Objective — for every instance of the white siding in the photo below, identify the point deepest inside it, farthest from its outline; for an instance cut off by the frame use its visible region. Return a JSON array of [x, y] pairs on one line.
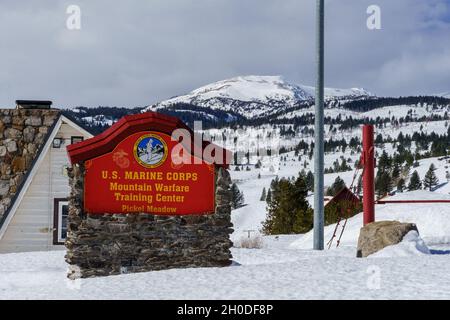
[[31, 228]]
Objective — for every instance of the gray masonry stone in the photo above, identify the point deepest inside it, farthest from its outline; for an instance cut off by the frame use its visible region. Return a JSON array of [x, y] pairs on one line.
[[4, 187], [12, 133], [11, 146], [7, 119], [28, 134], [48, 120], [2, 151], [34, 120]]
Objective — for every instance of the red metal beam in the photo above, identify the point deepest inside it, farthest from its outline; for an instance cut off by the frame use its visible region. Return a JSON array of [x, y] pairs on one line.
[[368, 161], [412, 201]]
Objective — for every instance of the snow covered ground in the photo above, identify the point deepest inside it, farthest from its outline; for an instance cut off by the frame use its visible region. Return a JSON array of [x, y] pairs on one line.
[[285, 268], [278, 271]]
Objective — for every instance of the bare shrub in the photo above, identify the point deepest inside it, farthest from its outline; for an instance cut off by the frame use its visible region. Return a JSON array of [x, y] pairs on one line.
[[254, 242]]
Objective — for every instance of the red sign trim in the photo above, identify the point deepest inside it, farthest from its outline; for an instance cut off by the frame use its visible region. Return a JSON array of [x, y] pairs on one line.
[[106, 141]]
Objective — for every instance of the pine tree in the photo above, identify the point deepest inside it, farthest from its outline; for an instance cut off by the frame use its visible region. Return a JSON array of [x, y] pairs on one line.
[[401, 185], [269, 196], [263, 195], [310, 181], [430, 181], [359, 185], [288, 210], [383, 183], [337, 186], [414, 182], [303, 214], [237, 197], [396, 171], [384, 162]]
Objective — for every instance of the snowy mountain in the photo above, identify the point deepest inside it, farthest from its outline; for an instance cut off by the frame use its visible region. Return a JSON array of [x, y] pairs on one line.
[[444, 94], [258, 100], [253, 96]]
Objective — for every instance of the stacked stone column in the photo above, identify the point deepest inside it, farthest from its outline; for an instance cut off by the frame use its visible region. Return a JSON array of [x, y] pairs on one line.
[[108, 244]]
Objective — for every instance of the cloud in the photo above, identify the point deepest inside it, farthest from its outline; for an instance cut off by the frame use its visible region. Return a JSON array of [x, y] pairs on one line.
[[135, 53]]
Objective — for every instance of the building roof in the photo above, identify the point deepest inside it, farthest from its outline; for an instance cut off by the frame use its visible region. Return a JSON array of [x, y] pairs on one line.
[[128, 125], [344, 195]]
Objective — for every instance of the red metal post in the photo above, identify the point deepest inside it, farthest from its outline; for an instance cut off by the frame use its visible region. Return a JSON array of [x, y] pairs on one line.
[[368, 159]]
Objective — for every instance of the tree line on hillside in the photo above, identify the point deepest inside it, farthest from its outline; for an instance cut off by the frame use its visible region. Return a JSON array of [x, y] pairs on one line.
[[372, 103], [216, 118]]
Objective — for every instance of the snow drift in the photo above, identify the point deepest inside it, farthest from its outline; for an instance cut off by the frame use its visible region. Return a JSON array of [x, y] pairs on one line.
[[412, 244]]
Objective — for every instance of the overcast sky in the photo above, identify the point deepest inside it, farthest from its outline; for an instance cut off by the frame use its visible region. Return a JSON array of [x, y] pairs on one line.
[[134, 53]]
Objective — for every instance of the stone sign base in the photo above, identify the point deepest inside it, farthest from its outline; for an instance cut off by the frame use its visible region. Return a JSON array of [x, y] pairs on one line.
[[110, 244]]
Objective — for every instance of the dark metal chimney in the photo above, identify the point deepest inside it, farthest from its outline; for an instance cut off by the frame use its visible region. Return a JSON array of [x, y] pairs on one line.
[[33, 104]]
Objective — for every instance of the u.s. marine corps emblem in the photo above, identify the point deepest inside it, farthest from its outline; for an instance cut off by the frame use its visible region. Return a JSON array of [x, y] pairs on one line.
[[150, 151]]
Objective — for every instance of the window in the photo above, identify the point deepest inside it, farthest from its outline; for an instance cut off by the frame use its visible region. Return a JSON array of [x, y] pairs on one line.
[[61, 211], [76, 139]]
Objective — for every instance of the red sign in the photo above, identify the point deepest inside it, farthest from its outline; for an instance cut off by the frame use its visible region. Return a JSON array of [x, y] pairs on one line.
[[140, 176]]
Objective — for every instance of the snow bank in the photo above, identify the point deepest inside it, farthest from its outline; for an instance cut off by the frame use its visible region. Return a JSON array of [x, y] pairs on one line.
[[412, 244], [432, 220], [273, 272]]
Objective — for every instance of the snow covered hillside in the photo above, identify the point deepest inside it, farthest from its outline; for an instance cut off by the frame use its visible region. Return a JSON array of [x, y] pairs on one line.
[[396, 111], [252, 96], [251, 216]]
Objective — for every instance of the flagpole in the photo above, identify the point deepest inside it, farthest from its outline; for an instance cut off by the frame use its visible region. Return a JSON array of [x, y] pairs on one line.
[[319, 132]]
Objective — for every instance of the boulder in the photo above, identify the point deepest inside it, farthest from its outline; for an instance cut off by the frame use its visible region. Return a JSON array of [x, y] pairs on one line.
[[378, 235]]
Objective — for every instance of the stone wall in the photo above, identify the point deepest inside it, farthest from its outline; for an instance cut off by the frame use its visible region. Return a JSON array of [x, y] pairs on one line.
[[22, 134], [108, 244]]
